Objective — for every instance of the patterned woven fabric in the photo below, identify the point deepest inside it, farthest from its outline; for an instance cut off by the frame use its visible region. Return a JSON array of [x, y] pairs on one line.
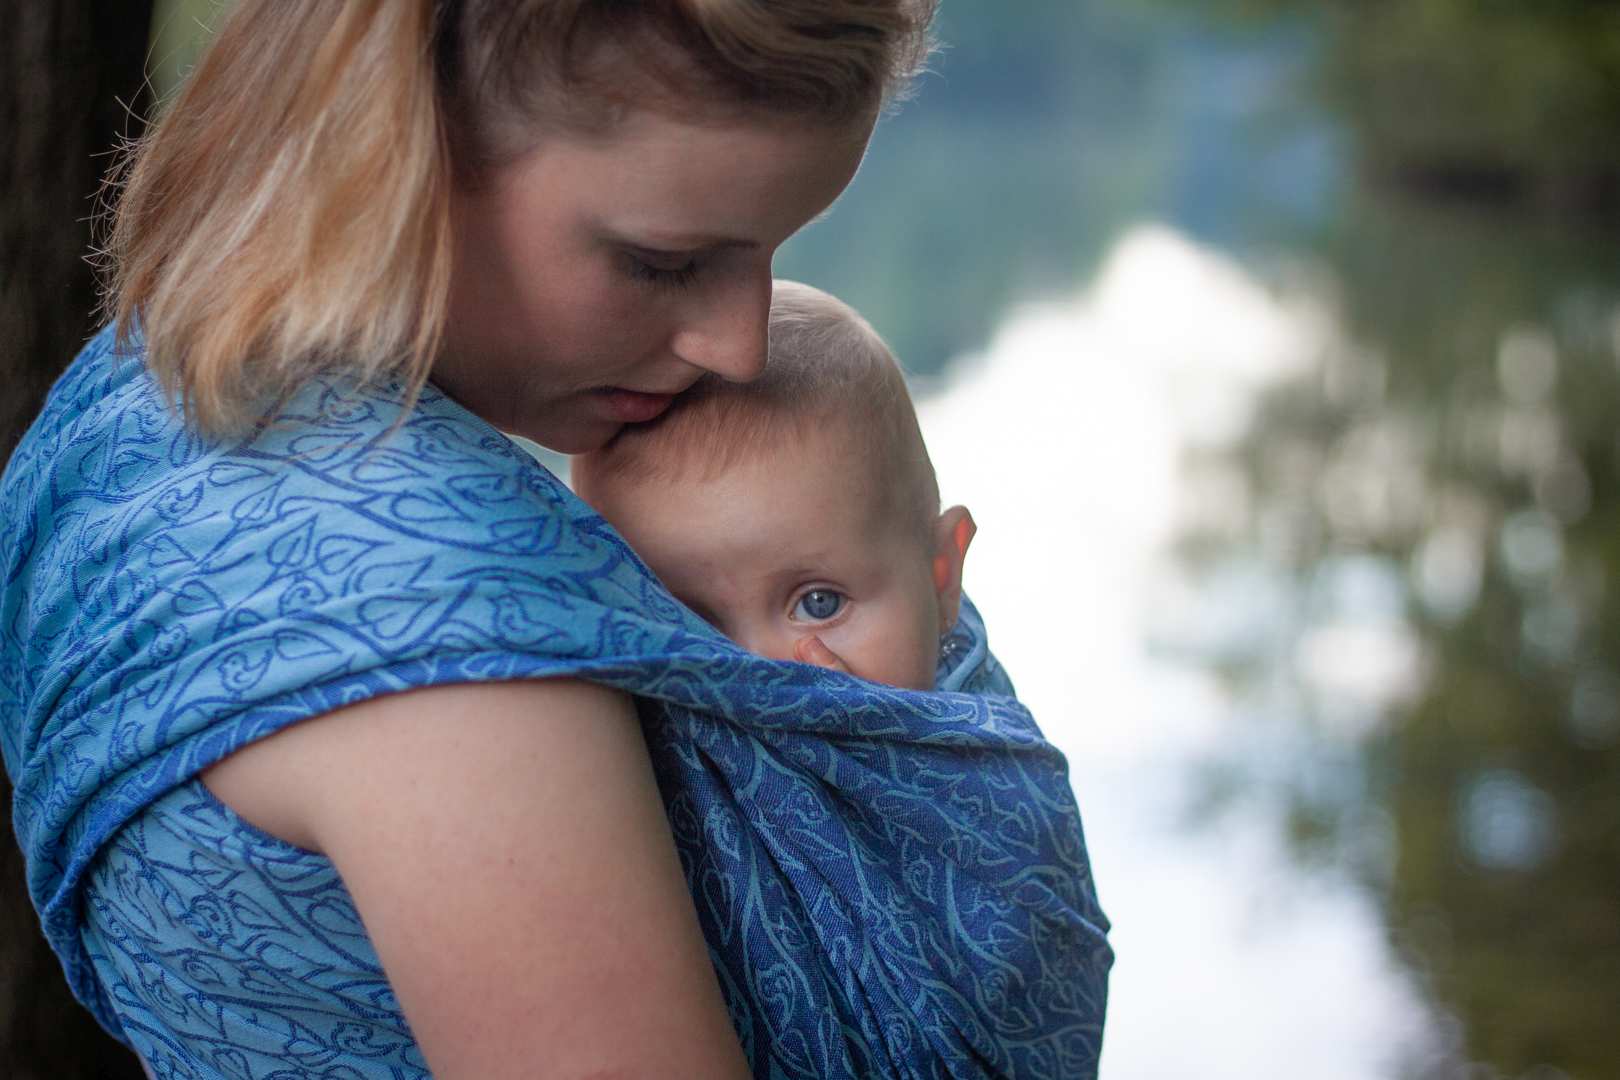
[[891, 883]]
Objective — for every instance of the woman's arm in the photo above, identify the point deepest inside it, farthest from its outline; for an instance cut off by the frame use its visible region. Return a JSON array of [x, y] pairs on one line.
[[507, 849]]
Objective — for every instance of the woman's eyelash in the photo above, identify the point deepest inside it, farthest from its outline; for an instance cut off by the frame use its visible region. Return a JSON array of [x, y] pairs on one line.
[[677, 277]]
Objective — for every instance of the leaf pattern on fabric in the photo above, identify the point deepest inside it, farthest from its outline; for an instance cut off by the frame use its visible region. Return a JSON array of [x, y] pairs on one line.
[[891, 883]]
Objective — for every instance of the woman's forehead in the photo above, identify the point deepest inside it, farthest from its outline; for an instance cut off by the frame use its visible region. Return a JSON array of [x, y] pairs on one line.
[[655, 178]]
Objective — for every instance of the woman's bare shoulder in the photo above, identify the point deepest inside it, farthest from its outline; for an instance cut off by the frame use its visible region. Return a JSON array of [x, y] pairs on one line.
[[508, 852], [282, 783]]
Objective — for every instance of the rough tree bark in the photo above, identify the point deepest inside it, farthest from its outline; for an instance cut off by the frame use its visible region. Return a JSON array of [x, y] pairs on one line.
[[71, 75]]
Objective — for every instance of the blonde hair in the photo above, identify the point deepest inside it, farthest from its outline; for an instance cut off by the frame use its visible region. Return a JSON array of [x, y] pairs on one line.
[[289, 213], [829, 371]]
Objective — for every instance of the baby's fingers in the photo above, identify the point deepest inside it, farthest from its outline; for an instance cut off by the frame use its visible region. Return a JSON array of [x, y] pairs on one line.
[[810, 649]]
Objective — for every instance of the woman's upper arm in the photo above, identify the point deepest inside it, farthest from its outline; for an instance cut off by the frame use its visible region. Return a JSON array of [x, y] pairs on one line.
[[507, 849]]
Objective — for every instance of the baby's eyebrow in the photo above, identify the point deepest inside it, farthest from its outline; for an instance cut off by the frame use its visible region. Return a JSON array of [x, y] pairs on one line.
[[797, 573]]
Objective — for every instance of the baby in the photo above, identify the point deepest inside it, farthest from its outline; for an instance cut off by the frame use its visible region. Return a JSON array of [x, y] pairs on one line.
[[798, 513]]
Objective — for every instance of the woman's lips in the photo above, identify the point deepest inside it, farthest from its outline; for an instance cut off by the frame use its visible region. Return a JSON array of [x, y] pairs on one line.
[[634, 406]]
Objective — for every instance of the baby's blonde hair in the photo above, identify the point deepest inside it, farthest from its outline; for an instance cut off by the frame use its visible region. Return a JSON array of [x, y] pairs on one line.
[[828, 371], [289, 213]]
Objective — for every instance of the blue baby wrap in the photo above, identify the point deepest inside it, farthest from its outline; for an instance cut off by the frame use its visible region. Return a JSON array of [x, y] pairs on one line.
[[891, 883]]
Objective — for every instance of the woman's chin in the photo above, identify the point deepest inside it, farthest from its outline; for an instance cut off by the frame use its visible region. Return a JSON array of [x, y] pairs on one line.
[[576, 436], [571, 443]]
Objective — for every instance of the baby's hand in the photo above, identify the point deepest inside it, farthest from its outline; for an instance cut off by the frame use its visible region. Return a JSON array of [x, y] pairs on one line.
[[810, 649]]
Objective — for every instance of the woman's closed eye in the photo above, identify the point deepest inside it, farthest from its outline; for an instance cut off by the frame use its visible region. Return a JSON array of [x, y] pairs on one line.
[[674, 270], [818, 605]]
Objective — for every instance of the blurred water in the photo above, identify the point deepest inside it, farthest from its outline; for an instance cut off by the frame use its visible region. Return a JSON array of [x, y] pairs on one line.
[[1066, 437]]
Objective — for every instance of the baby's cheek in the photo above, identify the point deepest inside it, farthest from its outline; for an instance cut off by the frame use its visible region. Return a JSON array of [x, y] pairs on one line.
[[897, 659]]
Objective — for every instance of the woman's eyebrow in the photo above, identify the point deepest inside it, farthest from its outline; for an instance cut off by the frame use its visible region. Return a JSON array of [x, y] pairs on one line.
[[683, 242]]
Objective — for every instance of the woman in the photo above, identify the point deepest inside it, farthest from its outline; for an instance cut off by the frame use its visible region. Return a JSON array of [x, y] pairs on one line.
[[321, 679]]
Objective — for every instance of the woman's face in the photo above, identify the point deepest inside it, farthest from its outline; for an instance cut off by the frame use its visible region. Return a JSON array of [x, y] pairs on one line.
[[602, 274]]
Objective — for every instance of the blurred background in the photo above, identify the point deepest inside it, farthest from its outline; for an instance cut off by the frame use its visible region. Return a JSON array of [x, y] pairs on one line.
[[1276, 348]]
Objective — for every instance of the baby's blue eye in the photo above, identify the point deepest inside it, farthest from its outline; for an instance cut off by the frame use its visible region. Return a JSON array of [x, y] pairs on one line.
[[818, 604]]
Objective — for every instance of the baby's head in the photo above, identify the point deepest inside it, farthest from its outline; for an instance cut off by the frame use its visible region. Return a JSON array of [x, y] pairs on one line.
[[799, 507]]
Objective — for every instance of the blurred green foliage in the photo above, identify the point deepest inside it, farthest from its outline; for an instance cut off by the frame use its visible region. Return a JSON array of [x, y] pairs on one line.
[[1499, 780], [1495, 99]]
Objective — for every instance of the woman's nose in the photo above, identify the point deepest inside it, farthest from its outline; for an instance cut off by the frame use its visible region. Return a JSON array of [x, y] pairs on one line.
[[728, 334]]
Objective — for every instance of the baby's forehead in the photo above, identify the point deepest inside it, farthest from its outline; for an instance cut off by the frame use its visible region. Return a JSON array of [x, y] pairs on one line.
[[812, 455], [827, 452]]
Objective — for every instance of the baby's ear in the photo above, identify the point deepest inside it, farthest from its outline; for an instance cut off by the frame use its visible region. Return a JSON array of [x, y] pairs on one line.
[[953, 532]]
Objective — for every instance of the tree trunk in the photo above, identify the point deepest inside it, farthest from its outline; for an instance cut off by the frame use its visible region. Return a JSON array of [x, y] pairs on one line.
[[72, 84]]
